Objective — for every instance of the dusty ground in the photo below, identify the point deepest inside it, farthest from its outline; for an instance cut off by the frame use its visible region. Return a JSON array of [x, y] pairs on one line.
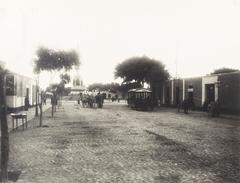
[[116, 144]]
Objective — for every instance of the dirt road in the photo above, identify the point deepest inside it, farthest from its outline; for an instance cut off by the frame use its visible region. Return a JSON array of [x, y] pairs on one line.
[[117, 144]]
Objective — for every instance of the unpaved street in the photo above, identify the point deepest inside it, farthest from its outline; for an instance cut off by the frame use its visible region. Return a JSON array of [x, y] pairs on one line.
[[117, 144]]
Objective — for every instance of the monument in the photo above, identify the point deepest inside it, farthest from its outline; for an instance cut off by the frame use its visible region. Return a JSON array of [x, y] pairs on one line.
[[77, 83]]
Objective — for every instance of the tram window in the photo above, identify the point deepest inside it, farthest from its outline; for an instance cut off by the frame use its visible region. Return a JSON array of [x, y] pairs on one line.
[[10, 86]]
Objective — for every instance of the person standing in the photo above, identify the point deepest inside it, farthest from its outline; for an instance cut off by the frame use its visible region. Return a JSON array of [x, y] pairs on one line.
[[186, 106], [99, 100], [26, 103]]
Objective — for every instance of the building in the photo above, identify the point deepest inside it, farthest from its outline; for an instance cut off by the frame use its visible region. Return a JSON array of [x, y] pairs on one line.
[[224, 88]]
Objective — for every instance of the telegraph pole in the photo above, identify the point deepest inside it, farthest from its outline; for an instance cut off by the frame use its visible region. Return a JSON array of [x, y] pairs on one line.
[[176, 60]]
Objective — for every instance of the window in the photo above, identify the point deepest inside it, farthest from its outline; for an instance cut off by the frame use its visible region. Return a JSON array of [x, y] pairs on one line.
[[10, 87]]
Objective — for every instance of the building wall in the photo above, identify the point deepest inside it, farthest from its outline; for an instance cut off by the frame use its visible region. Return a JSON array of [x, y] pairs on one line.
[[226, 91], [177, 83], [196, 83], [167, 93], [229, 92], [169, 96]]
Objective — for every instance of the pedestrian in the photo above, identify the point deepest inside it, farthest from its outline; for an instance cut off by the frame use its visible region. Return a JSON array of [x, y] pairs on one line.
[[99, 100], [179, 105], [45, 100], [186, 106], [26, 101]]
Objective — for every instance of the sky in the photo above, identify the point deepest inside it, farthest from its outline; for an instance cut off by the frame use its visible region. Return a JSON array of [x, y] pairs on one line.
[[191, 37]]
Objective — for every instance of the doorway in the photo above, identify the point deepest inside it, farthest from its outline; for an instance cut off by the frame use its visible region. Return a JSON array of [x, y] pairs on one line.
[[168, 95], [177, 95], [27, 92], [210, 92]]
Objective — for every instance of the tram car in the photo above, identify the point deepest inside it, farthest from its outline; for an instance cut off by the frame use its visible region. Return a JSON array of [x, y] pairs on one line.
[[141, 99], [20, 91]]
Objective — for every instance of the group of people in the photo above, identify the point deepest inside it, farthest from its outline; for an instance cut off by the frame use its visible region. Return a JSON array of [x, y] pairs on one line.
[[87, 100], [185, 105], [212, 107]]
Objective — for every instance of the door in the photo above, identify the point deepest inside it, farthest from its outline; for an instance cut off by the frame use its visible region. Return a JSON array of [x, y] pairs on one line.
[[210, 92], [27, 92], [168, 95], [177, 95]]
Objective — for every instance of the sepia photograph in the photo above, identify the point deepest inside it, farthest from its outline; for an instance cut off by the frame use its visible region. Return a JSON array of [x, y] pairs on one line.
[[120, 91]]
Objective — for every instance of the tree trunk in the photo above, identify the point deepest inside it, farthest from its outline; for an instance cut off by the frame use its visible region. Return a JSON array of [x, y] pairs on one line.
[[52, 109], [41, 112], [4, 131], [36, 108]]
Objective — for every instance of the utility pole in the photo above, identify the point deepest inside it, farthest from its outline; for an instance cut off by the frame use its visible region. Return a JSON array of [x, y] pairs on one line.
[[176, 60]]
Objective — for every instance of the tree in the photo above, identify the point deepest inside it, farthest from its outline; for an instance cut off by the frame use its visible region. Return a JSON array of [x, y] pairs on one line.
[[55, 60], [224, 70], [51, 60], [65, 78], [4, 127], [141, 70], [96, 86], [112, 87], [125, 87]]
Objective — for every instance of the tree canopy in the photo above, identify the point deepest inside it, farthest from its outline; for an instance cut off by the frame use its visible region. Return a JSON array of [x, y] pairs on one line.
[[49, 60], [127, 86], [113, 87], [3, 71], [224, 70], [65, 78], [95, 86], [59, 88], [141, 69]]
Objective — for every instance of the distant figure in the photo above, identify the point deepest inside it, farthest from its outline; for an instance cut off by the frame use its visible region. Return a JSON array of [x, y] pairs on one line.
[[26, 101], [84, 101], [113, 99], [214, 109], [90, 101], [99, 100], [44, 100], [186, 106], [217, 108], [179, 105]]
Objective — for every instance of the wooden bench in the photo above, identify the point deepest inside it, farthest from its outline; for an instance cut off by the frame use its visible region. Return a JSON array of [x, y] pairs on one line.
[[16, 116]]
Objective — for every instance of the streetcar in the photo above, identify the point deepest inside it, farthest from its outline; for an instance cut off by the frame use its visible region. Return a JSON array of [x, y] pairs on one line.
[[141, 99], [18, 89]]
